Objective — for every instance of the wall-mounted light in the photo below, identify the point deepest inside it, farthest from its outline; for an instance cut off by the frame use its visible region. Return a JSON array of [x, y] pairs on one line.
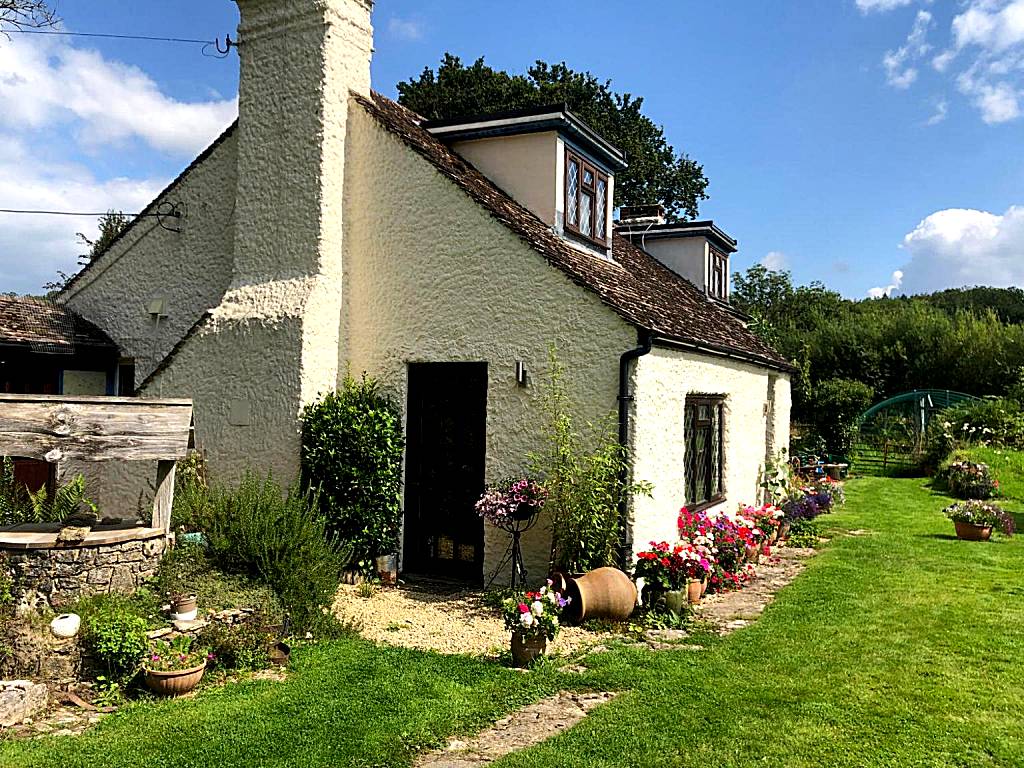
[[522, 379]]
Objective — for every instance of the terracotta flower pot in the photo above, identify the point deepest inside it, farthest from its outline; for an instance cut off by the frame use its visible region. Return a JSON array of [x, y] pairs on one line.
[[174, 682], [604, 593], [527, 648], [675, 601], [972, 532], [783, 530], [694, 590], [184, 608]]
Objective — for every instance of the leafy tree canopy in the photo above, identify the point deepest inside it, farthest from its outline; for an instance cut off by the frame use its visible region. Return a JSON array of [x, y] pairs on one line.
[[656, 173]]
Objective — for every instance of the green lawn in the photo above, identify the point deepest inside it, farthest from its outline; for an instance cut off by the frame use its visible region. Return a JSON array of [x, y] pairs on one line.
[[901, 647]]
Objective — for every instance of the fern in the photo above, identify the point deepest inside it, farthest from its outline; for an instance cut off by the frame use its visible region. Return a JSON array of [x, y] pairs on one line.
[[20, 505]]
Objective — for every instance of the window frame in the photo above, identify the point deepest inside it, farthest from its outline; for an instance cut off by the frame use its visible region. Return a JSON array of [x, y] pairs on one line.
[[720, 272], [584, 190], [716, 402]]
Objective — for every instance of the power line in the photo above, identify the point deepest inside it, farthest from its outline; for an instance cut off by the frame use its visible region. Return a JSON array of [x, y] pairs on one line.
[[165, 212], [74, 213], [215, 43]]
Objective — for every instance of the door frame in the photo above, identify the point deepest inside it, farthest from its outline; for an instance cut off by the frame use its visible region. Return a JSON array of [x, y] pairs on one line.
[[416, 559]]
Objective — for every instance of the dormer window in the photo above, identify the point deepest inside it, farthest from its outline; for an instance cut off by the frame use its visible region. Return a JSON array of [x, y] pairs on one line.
[[586, 200], [718, 286]]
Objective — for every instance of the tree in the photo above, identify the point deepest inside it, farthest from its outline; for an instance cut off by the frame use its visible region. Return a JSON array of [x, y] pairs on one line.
[[656, 172], [111, 225], [26, 14]]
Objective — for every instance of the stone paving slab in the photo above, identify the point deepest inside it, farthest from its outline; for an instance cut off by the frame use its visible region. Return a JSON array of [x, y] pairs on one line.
[[523, 728]]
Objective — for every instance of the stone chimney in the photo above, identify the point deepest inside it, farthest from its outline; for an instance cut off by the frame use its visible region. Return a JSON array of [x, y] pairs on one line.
[[272, 345]]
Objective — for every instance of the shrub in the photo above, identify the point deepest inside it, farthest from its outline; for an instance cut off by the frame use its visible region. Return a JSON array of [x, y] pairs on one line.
[[191, 493], [281, 539], [835, 405], [114, 634], [804, 532], [241, 647], [994, 421], [584, 474], [970, 480], [352, 447]]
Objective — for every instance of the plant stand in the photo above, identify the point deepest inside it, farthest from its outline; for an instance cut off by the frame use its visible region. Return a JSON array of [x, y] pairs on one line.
[[516, 527]]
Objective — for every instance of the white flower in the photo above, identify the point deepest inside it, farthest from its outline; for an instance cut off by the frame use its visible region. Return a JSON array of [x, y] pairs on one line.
[[526, 619], [537, 608]]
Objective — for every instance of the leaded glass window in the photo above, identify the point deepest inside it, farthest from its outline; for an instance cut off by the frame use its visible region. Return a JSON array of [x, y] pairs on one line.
[[586, 199], [572, 191], [704, 428]]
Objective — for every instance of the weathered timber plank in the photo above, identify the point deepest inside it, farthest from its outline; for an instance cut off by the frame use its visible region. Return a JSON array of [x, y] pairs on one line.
[[55, 449], [128, 430], [65, 419], [105, 399], [163, 500]]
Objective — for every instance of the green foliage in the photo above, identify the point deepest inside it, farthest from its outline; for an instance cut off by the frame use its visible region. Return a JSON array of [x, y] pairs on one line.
[[992, 421], [110, 224], [891, 345], [191, 493], [281, 539], [114, 634], [20, 505], [242, 647], [656, 172], [352, 447], [583, 473], [188, 569], [804, 533], [835, 406]]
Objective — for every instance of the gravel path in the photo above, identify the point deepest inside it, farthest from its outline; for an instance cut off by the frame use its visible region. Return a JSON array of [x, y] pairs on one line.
[[447, 621]]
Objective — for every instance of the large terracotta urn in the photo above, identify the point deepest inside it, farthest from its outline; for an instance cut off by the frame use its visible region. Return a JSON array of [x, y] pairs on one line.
[[604, 593]]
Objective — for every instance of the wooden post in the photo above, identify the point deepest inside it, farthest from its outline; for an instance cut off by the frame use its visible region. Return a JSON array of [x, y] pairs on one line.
[[163, 501]]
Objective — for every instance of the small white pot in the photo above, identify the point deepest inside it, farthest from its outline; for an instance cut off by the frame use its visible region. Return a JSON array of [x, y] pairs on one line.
[[66, 625], [186, 616]]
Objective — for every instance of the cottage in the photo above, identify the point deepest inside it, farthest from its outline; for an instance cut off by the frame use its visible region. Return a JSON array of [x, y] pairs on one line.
[[330, 229]]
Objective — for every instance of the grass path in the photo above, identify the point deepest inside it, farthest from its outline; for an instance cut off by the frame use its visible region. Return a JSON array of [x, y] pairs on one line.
[[902, 647]]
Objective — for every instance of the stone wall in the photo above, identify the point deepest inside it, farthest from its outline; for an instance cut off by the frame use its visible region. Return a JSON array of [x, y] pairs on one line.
[[58, 577]]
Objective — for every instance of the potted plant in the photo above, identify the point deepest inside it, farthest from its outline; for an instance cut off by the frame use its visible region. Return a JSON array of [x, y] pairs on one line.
[[175, 667], [663, 569], [184, 607], [971, 480], [974, 519], [532, 618]]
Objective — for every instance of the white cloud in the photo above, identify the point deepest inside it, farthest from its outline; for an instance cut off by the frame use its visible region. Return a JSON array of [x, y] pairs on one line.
[[44, 82], [34, 248], [898, 64], [60, 106], [987, 38], [881, 6], [940, 113], [897, 281], [405, 29], [963, 247], [775, 260]]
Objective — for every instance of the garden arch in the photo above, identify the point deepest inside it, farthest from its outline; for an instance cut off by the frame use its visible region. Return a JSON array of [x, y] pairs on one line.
[[890, 434]]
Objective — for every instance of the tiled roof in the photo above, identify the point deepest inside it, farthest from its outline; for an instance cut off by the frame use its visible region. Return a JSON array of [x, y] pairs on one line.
[[635, 285], [47, 326]]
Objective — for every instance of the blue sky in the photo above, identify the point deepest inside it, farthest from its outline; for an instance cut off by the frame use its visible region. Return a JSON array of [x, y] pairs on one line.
[[845, 140]]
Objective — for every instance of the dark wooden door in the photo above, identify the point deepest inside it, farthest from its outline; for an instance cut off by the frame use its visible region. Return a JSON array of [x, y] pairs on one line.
[[444, 469]]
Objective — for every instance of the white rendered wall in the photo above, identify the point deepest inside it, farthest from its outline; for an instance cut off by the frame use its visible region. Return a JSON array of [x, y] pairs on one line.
[[662, 381], [190, 269], [523, 166], [432, 277]]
